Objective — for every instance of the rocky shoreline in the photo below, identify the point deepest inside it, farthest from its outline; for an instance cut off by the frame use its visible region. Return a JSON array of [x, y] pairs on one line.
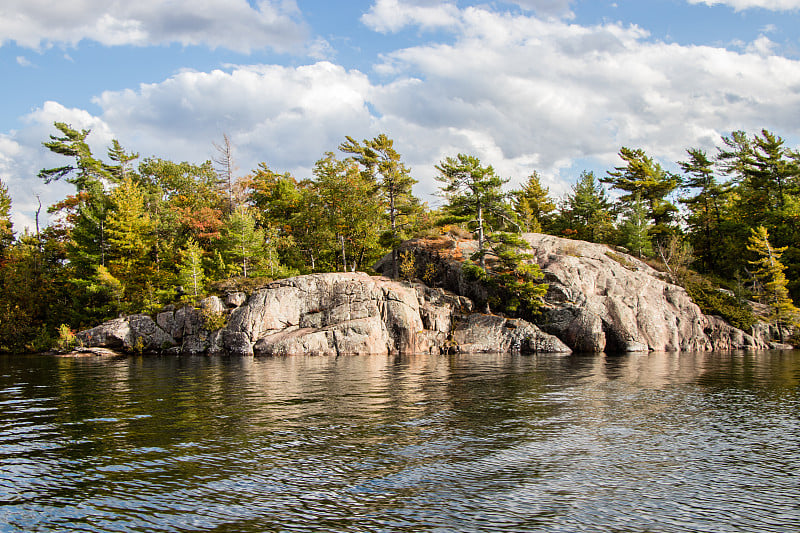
[[598, 300]]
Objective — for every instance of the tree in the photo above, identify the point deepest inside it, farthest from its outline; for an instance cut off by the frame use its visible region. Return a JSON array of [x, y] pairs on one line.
[[84, 213], [644, 178], [475, 197], [350, 210], [225, 167], [635, 229], [130, 238], [122, 169], [191, 275], [704, 217], [6, 226], [769, 271], [86, 171], [533, 205], [381, 162], [242, 241], [587, 211]]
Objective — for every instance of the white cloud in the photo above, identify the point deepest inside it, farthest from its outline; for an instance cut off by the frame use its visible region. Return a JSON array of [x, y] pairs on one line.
[[547, 93], [387, 16], [24, 61], [762, 46], [22, 156], [232, 24], [281, 115], [520, 92], [547, 7], [741, 5]]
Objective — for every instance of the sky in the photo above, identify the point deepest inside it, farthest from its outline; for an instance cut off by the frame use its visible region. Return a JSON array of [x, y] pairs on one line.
[[553, 86]]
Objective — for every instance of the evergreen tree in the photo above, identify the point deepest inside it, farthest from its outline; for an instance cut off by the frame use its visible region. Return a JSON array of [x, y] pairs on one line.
[[635, 231], [242, 242], [475, 197], [769, 271], [587, 211], [6, 226], [704, 217], [381, 162], [533, 205], [130, 234], [644, 178]]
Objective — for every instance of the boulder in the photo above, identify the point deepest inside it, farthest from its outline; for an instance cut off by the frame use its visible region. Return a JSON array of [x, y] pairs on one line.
[[480, 333], [131, 333], [332, 314], [599, 299]]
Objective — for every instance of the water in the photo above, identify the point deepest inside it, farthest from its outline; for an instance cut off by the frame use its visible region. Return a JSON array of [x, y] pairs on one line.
[[635, 443]]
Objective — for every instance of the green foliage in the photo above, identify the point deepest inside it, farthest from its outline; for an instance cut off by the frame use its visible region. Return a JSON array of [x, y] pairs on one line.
[[191, 275], [134, 230], [475, 197], [769, 271], [586, 212], [533, 205], [408, 267], [213, 320], [644, 180], [66, 339], [514, 285], [635, 230], [713, 301], [381, 163], [242, 242]]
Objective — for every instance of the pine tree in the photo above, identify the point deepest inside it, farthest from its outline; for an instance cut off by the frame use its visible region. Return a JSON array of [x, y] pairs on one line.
[[587, 210], [242, 242], [635, 231], [130, 233], [644, 178], [6, 226], [475, 197], [769, 271], [705, 207], [533, 205], [381, 162]]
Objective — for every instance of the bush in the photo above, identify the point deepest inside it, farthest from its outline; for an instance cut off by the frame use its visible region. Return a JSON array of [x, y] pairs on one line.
[[212, 321], [66, 339], [712, 301]]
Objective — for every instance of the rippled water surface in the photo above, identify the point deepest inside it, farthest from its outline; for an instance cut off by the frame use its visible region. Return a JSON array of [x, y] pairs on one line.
[[659, 442]]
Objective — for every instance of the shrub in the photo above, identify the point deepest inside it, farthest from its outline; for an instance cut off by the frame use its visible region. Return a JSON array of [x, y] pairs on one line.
[[213, 320], [712, 301], [408, 268], [66, 339]]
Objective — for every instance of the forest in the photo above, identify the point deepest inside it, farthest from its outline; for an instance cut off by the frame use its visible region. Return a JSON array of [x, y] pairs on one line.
[[141, 233]]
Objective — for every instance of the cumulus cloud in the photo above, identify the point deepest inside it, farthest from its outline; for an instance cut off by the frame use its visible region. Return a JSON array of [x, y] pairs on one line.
[[232, 24], [22, 156], [520, 92], [387, 16], [741, 5], [547, 7], [281, 115], [545, 93]]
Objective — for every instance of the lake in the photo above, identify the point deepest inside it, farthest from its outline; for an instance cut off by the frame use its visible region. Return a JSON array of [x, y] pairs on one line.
[[627, 443]]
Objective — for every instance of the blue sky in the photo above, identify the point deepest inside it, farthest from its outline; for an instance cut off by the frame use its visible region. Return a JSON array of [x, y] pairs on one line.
[[556, 86]]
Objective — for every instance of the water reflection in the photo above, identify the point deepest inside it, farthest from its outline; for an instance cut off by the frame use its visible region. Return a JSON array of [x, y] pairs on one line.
[[663, 441]]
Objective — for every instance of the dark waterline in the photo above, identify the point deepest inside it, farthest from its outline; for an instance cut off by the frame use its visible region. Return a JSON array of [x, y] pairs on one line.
[[634, 443]]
